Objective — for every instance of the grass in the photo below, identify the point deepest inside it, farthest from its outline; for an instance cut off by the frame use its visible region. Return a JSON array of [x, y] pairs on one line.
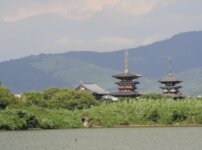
[[33, 117], [141, 112], [146, 112]]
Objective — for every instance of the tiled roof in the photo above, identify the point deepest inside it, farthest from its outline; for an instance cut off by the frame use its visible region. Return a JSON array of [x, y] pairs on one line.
[[170, 78], [131, 75], [94, 88]]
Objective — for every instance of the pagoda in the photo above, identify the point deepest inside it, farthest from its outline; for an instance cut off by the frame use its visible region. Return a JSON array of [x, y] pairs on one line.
[[127, 85], [170, 87]]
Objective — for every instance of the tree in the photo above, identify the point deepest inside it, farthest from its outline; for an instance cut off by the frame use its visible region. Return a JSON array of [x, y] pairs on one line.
[[6, 97], [33, 98], [71, 99], [50, 92]]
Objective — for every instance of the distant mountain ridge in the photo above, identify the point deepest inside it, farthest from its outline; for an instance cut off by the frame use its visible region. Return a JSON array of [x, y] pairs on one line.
[[68, 69], [184, 49]]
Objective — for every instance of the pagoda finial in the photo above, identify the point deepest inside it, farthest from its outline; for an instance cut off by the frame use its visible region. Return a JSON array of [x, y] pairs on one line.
[[170, 66], [126, 61]]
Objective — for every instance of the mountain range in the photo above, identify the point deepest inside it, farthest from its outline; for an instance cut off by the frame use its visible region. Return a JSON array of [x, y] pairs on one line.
[[69, 69]]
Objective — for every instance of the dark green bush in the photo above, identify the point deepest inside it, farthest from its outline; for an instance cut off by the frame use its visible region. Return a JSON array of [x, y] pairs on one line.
[[30, 119], [178, 116], [153, 116]]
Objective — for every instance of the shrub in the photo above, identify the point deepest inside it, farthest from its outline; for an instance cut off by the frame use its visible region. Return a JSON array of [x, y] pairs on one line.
[[9, 120], [154, 96], [154, 116], [50, 92], [33, 99], [30, 119], [33, 117], [178, 116], [6, 98], [70, 99]]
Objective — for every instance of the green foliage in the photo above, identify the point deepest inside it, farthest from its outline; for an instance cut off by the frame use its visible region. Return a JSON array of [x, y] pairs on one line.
[[29, 118], [33, 99], [56, 108], [6, 98], [33, 117], [154, 96], [50, 92], [153, 116], [178, 116], [59, 98], [9, 120], [146, 112], [71, 99]]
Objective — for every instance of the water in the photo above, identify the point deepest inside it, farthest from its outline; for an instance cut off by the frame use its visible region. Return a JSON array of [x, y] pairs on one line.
[[104, 139]]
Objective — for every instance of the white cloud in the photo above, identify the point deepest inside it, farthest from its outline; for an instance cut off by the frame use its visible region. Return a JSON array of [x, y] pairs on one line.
[[103, 25], [82, 9], [135, 7], [77, 10]]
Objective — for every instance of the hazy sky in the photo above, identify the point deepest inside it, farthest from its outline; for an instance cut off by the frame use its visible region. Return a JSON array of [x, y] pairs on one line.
[[53, 26]]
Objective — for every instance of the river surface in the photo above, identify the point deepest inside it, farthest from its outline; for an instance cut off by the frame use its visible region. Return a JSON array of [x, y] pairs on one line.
[[104, 139]]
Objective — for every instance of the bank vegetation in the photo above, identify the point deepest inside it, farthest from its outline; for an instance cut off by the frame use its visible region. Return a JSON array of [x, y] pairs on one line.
[[56, 108]]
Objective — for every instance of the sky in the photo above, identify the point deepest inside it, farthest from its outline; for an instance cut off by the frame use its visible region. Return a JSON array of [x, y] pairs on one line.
[[54, 26]]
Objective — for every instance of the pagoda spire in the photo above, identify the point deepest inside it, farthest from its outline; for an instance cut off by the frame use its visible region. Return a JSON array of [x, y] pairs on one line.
[[126, 61], [170, 66]]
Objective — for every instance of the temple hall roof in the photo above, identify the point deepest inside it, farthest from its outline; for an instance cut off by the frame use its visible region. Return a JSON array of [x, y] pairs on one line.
[[92, 87]]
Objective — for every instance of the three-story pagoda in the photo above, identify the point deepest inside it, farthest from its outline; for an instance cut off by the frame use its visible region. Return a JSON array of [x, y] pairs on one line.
[[127, 85], [170, 87]]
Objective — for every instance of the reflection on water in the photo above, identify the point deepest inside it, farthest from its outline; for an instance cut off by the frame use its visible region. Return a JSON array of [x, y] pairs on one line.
[[104, 139]]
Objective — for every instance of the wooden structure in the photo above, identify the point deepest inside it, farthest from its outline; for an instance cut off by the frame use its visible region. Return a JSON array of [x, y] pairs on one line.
[[171, 88], [93, 88], [126, 86]]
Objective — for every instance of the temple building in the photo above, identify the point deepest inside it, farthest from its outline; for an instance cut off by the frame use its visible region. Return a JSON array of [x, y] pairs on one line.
[[92, 88], [126, 85], [170, 87]]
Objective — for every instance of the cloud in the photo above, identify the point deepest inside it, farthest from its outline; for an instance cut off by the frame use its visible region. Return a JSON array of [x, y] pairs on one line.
[[102, 25], [98, 44], [136, 8], [106, 43], [81, 9]]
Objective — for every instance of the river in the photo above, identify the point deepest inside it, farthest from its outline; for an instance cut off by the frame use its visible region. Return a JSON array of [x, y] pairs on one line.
[[104, 139]]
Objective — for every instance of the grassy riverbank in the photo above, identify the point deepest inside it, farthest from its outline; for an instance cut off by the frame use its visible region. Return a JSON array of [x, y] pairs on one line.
[[141, 112], [32, 117], [56, 108], [164, 112]]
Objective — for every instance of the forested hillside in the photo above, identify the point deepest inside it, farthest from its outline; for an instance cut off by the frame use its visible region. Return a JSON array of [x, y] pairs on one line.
[[68, 69]]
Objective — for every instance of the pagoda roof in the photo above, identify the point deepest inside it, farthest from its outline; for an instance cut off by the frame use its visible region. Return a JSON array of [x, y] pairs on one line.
[[169, 78], [171, 87], [127, 75], [126, 82]]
